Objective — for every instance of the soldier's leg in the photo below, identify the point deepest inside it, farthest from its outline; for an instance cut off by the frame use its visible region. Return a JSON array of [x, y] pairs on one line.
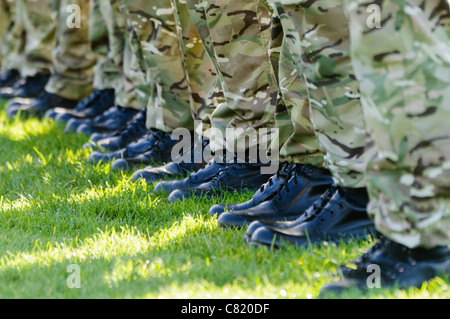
[[205, 93], [119, 71], [72, 58], [301, 180], [156, 52], [250, 95], [40, 27], [106, 72], [13, 45], [403, 65], [317, 36], [236, 35]]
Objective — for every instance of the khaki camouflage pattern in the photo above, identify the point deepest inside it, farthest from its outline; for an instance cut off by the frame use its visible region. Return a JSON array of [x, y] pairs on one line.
[[299, 143], [204, 86], [14, 49], [132, 90], [116, 66], [404, 70], [73, 59], [317, 34], [154, 27], [5, 25], [105, 72], [236, 35], [39, 26]]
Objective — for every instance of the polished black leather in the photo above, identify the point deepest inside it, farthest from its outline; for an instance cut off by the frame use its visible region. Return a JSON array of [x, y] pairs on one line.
[[173, 170], [111, 122], [302, 189], [170, 171], [337, 220], [133, 131], [73, 123], [159, 153], [196, 178], [29, 87], [398, 266], [45, 102], [14, 105], [265, 192], [96, 103], [139, 147], [234, 176], [8, 78]]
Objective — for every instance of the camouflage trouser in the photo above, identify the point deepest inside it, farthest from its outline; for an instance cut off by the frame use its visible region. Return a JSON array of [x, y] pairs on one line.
[[116, 64], [132, 90], [236, 35], [404, 69], [5, 25], [244, 45], [73, 59], [39, 26], [204, 86], [106, 73], [299, 143], [316, 35], [13, 45], [159, 54]]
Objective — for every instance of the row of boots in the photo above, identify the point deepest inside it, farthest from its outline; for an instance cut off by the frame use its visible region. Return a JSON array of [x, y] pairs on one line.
[[298, 205]]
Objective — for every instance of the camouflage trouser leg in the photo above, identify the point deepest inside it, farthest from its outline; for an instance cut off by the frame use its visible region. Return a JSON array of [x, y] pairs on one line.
[[104, 70], [40, 26], [14, 49], [73, 59], [153, 22], [5, 24], [236, 35], [298, 141], [112, 23], [404, 70], [317, 34], [132, 90], [204, 85]]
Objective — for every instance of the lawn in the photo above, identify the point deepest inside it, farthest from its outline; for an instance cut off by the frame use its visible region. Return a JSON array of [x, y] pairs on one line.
[[59, 213]]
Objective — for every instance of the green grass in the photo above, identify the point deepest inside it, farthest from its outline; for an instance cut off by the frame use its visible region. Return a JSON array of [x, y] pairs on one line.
[[57, 210]]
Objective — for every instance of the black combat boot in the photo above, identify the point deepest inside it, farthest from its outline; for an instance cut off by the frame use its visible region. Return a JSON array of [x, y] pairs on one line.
[[91, 106], [301, 189], [113, 120], [134, 149], [45, 102], [265, 192], [390, 264], [160, 152], [173, 170], [8, 78], [133, 131], [196, 178], [29, 87], [234, 176], [342, 217]]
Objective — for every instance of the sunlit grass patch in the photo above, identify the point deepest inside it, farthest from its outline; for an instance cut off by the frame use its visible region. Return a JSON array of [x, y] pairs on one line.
[[57, 210]]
